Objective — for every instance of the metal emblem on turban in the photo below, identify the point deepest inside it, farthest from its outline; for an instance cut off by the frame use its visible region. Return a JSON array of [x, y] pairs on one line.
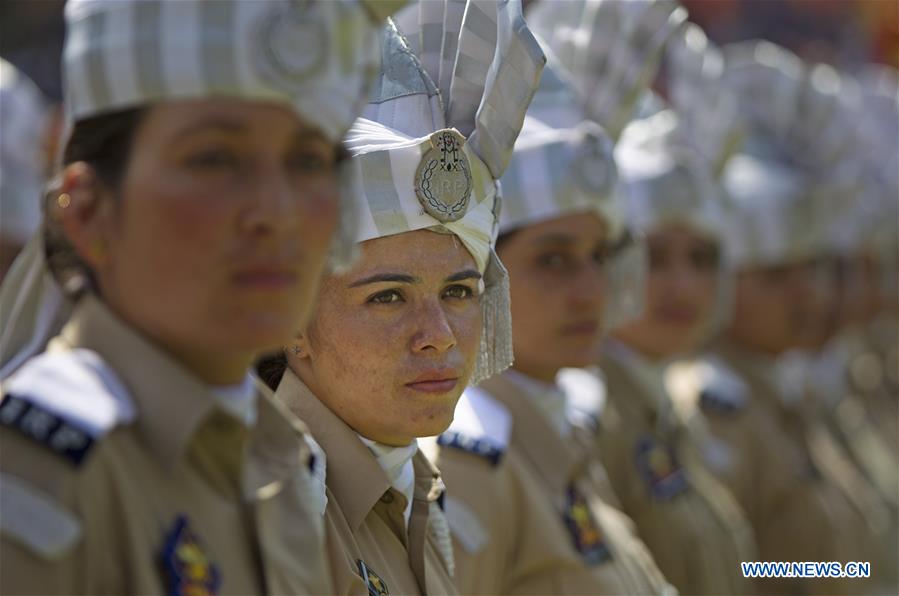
[[443, 178], [291, 45]]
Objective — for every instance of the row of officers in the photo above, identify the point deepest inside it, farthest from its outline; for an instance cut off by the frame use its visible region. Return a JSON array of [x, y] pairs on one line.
[[379, 297]]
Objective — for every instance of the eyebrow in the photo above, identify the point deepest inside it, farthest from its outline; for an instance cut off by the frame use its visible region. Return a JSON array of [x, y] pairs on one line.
[[385, 277], [218, 123], [554, 238], [411, 279], [462, 275]]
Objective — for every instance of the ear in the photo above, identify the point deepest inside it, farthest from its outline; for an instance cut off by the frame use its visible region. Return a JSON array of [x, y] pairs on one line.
[[84, 216], [300, 349]]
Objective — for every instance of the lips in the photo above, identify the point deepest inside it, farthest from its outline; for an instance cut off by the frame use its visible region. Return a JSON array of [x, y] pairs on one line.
[[587, 327], [682, 316], [266, 278], [435, 381]]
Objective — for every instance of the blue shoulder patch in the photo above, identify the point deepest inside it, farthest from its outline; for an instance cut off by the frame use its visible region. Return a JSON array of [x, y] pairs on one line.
[[721, 390], [66, 401], [481, 426], [585, 392]]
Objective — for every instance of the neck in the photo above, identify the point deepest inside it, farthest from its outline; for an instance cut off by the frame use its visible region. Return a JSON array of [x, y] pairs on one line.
[[547, 375], [212, 367]]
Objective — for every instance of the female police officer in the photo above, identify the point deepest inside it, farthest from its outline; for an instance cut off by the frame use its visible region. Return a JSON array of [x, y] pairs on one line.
[[194, 215], [395, 340]]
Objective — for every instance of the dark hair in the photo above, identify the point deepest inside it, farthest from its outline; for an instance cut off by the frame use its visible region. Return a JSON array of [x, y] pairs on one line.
[[271, 367], [104, 142], [503, 238]]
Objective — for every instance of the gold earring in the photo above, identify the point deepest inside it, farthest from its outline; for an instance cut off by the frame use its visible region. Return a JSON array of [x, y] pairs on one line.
[[64, 200]]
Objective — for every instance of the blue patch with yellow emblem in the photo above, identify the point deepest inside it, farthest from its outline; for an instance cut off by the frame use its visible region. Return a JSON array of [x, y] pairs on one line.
[[376, 586], [585, 532], [189, 571], [659, 468]]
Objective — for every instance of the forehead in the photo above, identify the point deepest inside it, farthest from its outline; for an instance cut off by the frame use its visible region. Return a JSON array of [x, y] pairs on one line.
[[574, 228], [681, 232], [423, 253], [233, 115]]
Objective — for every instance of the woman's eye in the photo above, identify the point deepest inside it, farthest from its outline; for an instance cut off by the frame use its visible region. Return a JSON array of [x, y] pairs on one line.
[[704, 260], [553, 260], [385, 297], [600, 256], [458, 292], [213, 158], [311, 162]]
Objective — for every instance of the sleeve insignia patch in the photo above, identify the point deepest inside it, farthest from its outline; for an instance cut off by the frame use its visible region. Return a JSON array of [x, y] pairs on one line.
[[661, 471], [586, 534], [189, 570]]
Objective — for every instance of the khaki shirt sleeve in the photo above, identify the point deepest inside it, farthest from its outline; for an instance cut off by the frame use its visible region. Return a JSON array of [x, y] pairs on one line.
[[480, 504], [39, 555]]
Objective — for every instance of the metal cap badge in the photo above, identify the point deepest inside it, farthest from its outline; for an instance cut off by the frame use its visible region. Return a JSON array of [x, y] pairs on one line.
[[443, 177]]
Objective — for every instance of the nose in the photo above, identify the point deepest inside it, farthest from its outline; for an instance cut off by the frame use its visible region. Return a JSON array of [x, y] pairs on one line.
[[588, 286], [271, 204], [434, 334]]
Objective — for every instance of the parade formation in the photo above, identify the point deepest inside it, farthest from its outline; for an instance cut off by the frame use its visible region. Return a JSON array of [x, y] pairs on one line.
[[382, 297]]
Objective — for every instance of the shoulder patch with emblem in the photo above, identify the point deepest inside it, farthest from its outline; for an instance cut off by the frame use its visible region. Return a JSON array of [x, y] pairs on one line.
[[66, 401], [35, 520], [481, 426], [376, 586], [721, 391], [659, 468], [189, 571], [586, 535], [585, 393]]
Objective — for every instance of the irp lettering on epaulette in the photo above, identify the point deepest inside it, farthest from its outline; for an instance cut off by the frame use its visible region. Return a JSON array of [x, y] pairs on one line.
[[481, 426], [65, 401]]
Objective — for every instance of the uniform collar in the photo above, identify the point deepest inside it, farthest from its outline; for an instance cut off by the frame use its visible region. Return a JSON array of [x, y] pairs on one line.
[[555, 458], [549, 398], [646, 376], [757, 370], [354, 476], [173, 403]]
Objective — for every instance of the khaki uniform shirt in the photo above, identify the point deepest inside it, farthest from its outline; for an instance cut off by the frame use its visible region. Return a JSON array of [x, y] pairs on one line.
[[689, 520], [120, 475], [796, 512], [531, 512], [365, 527]]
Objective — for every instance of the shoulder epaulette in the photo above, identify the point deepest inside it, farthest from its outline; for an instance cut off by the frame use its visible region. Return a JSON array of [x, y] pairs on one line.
[[721, 390], [481, 426], [585, 393], [65, 401]]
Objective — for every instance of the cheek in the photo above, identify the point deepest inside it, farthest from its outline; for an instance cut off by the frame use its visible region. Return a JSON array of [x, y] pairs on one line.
[[355, 347], [176, 229]]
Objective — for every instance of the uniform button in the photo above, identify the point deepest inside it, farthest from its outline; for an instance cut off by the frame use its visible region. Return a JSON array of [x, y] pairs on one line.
[[387, 498]]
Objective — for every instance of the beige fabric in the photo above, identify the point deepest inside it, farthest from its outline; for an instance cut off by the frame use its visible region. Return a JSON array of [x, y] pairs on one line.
[[245, 493], [797, 512], [698, 535], [364, 519], [518, 503]]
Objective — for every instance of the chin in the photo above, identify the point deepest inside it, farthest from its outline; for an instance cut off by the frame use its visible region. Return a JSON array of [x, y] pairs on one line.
[[434, 422]]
